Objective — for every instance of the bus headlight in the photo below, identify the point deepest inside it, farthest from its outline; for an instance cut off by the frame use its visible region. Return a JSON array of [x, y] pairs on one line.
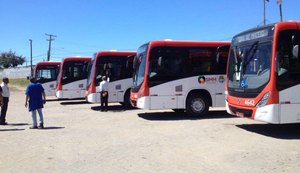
[[264, 100]]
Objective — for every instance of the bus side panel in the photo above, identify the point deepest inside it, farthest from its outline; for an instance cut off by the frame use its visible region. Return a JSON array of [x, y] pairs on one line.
[[219, 100], [171, 95], [93, 97], [74, 89], [163, 102], [268, 113], [49, 88], [289, 100], [116, 91], [143, 103]]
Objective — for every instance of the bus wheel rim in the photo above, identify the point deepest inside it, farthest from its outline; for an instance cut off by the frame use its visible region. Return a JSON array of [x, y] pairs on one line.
[[197, 105]]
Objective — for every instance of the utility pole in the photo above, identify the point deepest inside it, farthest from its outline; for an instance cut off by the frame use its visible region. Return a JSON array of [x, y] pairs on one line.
[[49, 50], [279, 2], [264, 11], [31, 70]]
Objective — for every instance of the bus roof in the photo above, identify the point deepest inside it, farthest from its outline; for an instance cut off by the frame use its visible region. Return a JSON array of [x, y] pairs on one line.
[[115, 53], [185, 43], [76, 58], [279, 25], [47, 63]]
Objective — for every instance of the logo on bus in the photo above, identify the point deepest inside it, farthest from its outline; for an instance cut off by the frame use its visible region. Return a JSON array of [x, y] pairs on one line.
[[208, 80], [201, 79], [221, 79]]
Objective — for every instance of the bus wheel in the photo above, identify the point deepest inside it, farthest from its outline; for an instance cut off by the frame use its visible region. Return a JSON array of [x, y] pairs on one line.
[[197, 105], [127, 101]]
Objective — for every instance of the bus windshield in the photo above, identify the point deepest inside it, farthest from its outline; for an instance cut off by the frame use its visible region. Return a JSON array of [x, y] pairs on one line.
[[47, 73], [139, 65], [249, 65], [90, 73]]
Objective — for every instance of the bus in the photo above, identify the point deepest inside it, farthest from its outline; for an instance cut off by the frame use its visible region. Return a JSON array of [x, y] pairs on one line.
[[46, 74], [180, 75], [117, 66], [71, 81], [263, 75]]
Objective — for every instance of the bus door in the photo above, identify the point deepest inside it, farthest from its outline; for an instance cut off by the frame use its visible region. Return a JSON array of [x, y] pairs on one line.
[[74, 79], [288, 76], [166, 67]]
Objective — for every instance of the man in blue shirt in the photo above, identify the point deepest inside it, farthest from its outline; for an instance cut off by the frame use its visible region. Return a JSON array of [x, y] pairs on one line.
[[37, 98]]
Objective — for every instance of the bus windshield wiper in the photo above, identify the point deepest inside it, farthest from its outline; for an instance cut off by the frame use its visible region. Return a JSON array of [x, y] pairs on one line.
[[250, 55]]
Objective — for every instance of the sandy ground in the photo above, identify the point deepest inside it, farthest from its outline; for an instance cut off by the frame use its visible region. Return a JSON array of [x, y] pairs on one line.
[[79, 138]]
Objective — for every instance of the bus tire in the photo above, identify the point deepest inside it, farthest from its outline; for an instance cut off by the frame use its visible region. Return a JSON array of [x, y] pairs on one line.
[[197, 105], [127, 101]]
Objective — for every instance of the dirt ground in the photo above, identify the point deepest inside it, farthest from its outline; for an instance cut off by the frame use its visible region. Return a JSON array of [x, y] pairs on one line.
[[80, 138]]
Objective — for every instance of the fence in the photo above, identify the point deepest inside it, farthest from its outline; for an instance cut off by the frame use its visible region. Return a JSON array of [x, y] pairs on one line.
[[15, 73]]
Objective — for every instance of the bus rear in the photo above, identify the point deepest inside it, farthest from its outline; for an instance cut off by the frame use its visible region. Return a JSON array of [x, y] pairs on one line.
[[180, 75], [71, 82], [46, 73], [263, 74], [117, 66]]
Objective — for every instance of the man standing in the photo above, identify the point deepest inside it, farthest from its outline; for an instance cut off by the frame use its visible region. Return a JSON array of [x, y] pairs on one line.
[[37, 98], [104, 93], [5, 97]]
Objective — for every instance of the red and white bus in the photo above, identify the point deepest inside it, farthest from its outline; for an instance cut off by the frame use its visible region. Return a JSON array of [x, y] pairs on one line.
[[117, 66], [46, 73], [263, 75], [180, 75], [71, 82]]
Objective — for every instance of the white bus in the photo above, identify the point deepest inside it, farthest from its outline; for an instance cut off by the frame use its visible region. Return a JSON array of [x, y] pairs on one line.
[[180, 75], [117, 66], [46, 73], [71, 82]]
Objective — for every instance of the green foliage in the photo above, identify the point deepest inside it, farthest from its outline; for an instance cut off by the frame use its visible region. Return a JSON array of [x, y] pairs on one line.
[[19, 82], [10, 59]]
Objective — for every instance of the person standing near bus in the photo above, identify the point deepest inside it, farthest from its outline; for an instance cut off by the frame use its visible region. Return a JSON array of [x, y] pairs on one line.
[[5, 97], [37, 98], [104, 93]]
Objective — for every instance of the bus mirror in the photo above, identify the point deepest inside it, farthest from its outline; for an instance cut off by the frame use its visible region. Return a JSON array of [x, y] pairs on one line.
[[295, 40], [296, 52], [160, 62], [218, 57]]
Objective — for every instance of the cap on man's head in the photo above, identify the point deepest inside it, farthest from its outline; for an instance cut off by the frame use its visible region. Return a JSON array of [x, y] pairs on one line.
[[103, 77]]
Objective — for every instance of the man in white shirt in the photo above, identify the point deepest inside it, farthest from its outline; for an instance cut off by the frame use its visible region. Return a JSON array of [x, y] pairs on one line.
[[5, 96], [104, 93]]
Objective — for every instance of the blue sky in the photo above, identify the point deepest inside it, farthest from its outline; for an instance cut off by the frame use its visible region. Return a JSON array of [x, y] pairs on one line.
[[85, 27]]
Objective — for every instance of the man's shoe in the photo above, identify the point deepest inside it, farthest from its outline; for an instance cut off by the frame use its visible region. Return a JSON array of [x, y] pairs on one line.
[[41, 126], [33, 127]]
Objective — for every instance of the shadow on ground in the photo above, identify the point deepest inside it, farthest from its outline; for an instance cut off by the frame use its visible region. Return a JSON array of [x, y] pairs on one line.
[[279, 131], [113, 108], [18, 124], [74, 102], [173, 116], [14, 129], [52, 128]]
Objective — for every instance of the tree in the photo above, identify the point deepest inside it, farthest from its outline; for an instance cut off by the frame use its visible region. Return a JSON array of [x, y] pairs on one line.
[[10, 59]]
